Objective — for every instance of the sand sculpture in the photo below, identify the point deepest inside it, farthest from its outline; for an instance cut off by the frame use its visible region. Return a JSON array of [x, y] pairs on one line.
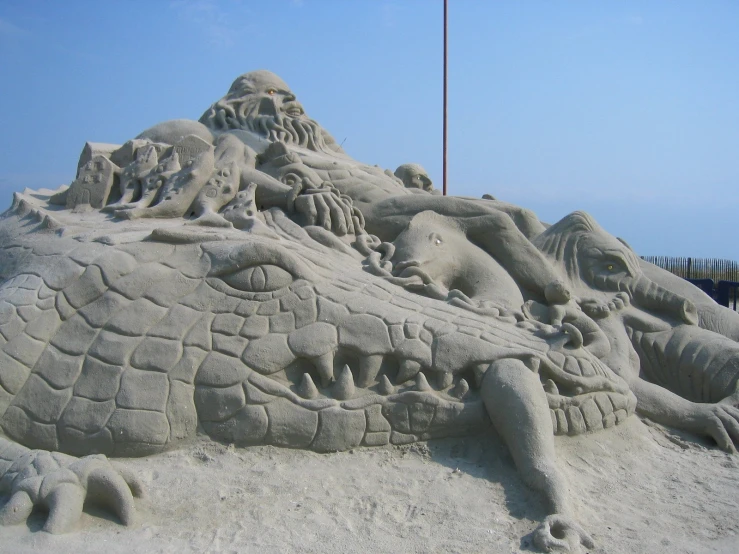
[[243, 277]]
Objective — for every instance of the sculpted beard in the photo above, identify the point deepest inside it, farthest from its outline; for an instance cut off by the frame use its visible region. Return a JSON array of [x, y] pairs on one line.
[[284, 128], [239, 114]]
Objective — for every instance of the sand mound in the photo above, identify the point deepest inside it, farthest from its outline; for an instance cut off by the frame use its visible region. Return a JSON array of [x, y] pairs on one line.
[[637, 488]]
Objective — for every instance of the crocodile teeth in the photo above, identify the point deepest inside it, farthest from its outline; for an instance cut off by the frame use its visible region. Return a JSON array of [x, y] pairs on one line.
[[422, 384], [445, 379], [533, 363], [461, 390], [550, 387], [344, 387], [325, 367], [407, 370], [307, 388], [386, 387], [369, 367]]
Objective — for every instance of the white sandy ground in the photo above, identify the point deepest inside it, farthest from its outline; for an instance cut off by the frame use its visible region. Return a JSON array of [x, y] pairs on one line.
[[637, 488]]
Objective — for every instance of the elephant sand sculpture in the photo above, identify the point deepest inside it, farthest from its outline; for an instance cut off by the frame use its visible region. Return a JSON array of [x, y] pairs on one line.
[[243, 278], [682, 374]]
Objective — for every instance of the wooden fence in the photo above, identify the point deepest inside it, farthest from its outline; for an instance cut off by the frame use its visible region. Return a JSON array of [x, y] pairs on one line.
[[698, 268]]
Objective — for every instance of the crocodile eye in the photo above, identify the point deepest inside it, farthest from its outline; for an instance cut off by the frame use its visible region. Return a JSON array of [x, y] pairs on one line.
[[246, 268], [260, 278], [610, 267]]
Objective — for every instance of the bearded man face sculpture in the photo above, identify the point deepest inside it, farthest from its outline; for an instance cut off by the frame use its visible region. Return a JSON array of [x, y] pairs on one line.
[[262, 103]]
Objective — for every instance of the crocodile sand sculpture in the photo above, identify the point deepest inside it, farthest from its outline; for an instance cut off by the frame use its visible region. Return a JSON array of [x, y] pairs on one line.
[[243, 277]]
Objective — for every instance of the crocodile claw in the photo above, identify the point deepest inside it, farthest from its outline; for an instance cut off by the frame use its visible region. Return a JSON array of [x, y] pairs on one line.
[[560, 533], [62, 485]]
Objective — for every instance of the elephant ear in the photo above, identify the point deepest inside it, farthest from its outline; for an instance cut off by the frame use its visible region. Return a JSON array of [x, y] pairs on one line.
[[560, 242], [626, 244], [569, 229]]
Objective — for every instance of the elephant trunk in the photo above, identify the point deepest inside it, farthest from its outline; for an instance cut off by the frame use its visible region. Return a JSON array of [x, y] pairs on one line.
[[652, 296]]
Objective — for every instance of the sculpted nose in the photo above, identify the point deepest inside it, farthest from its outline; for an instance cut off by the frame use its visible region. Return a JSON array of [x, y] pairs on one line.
[[267, 107], [290, 97]]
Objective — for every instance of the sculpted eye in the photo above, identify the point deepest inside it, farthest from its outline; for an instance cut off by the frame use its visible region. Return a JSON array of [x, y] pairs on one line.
[[261, 278], [612, 266], [246, 268], [436, 239], [271, 91]]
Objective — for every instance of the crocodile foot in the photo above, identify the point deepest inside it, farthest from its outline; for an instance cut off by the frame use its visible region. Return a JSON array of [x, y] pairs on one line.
[[61, 484], [560, 533]]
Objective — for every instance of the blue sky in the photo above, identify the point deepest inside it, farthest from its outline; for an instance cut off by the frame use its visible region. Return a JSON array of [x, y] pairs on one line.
[[628, 110]]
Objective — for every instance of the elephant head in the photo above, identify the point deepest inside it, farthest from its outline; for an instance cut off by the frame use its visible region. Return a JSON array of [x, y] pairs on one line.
[[596, 262]]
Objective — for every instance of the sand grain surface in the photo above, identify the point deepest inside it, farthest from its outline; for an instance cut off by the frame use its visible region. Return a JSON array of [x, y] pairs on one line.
[[637, 488]]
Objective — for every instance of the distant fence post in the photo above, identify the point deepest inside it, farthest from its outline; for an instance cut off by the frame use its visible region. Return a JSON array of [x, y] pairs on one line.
[[703, 272], [725, 291], [706, 285]]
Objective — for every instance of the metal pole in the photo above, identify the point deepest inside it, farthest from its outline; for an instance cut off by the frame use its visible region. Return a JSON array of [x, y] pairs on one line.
[[445, 98]]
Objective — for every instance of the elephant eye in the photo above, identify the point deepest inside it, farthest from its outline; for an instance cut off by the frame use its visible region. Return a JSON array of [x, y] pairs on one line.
[[613, 266], [436, 239]]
